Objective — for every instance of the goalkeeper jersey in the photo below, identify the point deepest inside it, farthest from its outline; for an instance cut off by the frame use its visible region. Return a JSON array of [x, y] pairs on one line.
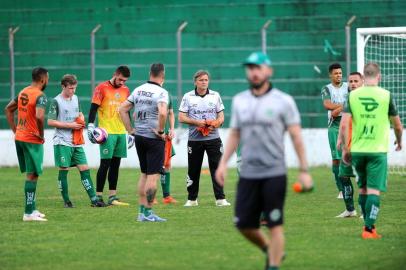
[[109, 100]]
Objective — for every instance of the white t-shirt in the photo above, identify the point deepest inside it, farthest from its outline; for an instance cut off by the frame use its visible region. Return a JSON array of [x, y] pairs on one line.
[[201, 108]]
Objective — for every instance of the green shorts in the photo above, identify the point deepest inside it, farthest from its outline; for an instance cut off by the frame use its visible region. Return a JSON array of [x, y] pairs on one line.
[[332, 140], [67, 156], [371, 170], [30, 157], [115, 146], [345, 170]]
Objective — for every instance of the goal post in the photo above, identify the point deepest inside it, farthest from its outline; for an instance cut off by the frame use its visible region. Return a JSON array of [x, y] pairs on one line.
[[386, 46]]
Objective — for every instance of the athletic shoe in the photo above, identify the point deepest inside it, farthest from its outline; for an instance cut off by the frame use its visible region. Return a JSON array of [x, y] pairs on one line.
[[68, 204], [222, 202], [32, 217], [190, 203], [361, 216], [38, 213], [370, 235], [340, 195], [155, 218], [113, 200], [142, 218], [98, 203], [347, 214], [169, 200]]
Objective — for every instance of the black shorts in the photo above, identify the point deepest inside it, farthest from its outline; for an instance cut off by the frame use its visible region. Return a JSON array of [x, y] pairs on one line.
[[257, 196], [151, 154]]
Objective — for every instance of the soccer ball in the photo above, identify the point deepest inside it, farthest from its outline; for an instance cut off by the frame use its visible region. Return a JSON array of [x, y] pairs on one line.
[[100, 134]]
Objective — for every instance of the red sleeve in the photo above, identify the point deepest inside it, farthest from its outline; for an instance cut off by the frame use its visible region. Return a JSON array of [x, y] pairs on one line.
[[98, 95]]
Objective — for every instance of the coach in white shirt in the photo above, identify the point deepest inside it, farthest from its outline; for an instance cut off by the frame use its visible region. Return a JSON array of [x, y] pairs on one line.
[[203, 110]]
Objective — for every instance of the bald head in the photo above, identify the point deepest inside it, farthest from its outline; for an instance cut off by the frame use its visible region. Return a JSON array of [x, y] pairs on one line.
[[371, 70]]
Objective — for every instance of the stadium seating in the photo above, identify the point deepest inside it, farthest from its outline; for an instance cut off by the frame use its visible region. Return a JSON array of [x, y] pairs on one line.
[[56, 35]]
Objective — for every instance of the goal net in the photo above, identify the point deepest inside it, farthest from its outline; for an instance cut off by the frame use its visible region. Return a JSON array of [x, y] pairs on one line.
[[386, 46]]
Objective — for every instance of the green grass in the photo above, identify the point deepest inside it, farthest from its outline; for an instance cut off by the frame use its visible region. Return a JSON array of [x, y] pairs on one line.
[[197, 238]]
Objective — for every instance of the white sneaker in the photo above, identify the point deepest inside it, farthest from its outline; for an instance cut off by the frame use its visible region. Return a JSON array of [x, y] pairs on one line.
[[340, 195], [32, 217], [347, 214], [361, 216], [38, 213], [222, 202], [190, 203]]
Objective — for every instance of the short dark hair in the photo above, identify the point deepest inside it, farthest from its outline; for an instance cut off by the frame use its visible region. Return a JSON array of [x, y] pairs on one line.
[[356, 73], [334, 66], [157, 69], [69, 79], [124, 70], [38, 73]]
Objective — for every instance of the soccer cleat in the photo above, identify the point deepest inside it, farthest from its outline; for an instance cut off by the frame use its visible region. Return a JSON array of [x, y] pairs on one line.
[[169, 200], [68, 204], [155, 218], [347, 214], [98, 203], [340, 195], [38, 213], [113, 200], [370, 234], [222, 202], [142, 218], [32, 217], [190, 203]]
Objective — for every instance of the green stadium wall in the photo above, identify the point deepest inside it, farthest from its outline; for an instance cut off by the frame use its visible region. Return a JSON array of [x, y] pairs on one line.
[[219, 35]]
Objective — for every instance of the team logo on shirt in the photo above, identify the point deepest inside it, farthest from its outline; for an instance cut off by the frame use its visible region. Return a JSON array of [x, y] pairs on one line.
[[369, 103], [117, 95]]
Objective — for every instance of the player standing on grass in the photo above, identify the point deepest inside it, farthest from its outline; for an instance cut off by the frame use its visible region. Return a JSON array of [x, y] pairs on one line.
[[150, 103], [29, 136], [260, 116], [371, 110], [169, 153], [66, 116], [334, 95], [203, 110], [106, 100], [355, 81]]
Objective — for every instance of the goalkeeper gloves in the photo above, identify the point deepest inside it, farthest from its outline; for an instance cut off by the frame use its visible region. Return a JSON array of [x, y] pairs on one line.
[[90, 135], [214, 123]]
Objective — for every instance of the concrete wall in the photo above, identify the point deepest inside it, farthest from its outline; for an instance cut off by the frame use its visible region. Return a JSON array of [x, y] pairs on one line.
[[317, 150]]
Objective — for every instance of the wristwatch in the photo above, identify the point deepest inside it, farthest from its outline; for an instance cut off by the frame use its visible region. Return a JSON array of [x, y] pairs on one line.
[[161, 132]]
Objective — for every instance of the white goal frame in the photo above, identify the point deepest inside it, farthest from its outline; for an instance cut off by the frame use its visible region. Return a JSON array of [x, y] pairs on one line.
[[363, 35]]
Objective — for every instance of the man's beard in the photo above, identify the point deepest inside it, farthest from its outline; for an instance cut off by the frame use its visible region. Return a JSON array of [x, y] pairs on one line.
[[43, 87], [257, 86], [114, 84]]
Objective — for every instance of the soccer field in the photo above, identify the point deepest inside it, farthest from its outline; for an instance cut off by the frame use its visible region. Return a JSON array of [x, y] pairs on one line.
[[193, 238]]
